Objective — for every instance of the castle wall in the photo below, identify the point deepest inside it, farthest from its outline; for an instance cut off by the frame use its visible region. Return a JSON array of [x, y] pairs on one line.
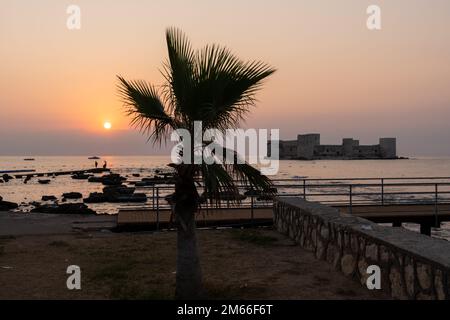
[[306, 144], [288, 149]]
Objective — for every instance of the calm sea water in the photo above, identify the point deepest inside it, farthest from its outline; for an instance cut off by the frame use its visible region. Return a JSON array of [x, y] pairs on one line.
[[19, 192]]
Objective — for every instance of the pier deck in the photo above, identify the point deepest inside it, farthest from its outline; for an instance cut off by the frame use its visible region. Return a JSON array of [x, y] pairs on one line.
[[427, 215], [423, 214]]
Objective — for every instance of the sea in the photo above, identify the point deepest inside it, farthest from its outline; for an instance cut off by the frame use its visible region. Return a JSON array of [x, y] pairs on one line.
[[146, 166]]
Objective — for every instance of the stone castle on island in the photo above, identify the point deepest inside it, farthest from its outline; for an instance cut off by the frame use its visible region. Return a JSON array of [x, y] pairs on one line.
[[308, 147]]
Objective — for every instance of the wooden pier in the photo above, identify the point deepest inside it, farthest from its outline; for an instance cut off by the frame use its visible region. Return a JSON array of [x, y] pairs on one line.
[[59, 173], [213, 217], [427, 215]]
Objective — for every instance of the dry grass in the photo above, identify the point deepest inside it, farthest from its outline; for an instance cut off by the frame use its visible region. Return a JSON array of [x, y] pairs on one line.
[[237, 264]]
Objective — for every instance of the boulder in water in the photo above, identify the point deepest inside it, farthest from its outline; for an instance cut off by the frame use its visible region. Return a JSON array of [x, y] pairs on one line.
[[81, 176], [7, 177], [72, 195], [6, 205], [49, 198], [137, 197], [95, 179], [113, 180], [67, 208], [95, 197]]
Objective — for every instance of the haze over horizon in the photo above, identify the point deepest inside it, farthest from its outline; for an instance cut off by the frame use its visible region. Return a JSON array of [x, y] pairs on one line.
[[335, 77]]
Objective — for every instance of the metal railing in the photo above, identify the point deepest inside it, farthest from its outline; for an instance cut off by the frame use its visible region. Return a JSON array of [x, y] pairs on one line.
[[348, 192]]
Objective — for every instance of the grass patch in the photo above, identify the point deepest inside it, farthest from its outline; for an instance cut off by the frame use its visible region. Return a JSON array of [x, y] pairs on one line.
[[114, 271], [7, 237], [59, 244], [123, 290], [254, 237]]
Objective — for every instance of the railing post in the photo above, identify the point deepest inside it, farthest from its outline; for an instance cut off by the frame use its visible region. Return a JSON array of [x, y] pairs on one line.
[[251, 210], [436, 208], [351, 198], [153, 197], [382, 191], [157, 208], [304, 189]]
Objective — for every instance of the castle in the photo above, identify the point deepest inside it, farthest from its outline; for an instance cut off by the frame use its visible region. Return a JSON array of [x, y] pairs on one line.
[[308, 147]]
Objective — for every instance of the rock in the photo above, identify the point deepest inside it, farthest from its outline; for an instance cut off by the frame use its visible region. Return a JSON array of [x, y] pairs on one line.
[[113, 190], [95, 179], [6, 205], [324, 232], [439, 284], [6, 177], [81, 176], [372, 252], [424, 275], [96, 197], [424, 296], [1, 198], [72, 195], [68, 208], [410, 278], [397, 288], [362, 268], [348, 264], [136, 175], [113, 180], [1, 181], [35, 204], [137, 197], [49, 198], [44, 181]]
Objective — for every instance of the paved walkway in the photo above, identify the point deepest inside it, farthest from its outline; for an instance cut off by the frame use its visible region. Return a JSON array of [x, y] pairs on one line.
[[40, 223]]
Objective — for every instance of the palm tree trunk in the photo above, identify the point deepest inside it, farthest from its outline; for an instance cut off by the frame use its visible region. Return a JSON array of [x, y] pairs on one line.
[[189, 275]]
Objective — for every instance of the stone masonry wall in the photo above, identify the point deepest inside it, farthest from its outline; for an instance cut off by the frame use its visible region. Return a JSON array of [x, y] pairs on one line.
[[413, 266]]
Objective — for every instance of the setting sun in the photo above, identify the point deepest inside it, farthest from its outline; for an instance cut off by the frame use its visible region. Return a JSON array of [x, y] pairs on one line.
[[107, 125]]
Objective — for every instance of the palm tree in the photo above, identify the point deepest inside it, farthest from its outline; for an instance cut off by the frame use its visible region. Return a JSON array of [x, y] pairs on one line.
[[209, 85]]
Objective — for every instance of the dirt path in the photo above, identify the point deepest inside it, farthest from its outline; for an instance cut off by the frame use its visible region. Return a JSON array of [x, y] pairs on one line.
[[237, 264]]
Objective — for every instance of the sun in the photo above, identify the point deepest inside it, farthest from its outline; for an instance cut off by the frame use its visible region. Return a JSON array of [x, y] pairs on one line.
[[107, 125]]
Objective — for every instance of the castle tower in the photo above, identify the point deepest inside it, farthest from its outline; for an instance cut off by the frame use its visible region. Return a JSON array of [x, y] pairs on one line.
[[388, 148], [306, 144]]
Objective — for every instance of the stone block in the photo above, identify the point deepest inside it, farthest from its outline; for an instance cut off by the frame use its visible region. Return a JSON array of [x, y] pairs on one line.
[[424, 275], [348, 264]]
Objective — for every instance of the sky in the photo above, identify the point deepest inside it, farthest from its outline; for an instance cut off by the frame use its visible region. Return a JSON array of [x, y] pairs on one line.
[[334, 76]]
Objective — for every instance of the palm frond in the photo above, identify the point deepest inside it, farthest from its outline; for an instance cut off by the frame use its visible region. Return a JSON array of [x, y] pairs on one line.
[[226, 86], [144, 106], [179, 74]]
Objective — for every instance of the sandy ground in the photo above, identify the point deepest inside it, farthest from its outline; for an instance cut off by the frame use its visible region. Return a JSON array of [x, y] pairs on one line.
[[237, 264]]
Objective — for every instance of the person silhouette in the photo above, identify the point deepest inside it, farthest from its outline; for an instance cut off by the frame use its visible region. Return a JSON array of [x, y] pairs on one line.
[[105, 165], [96, 164]]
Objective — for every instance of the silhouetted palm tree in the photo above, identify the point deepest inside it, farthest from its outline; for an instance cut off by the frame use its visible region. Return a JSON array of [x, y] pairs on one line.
[[210, 85]]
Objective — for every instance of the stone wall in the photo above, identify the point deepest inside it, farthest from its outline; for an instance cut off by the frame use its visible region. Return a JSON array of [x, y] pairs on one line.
[[413, 266]]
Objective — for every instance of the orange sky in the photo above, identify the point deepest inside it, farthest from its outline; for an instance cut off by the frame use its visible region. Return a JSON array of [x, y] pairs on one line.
[[334, 76]]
